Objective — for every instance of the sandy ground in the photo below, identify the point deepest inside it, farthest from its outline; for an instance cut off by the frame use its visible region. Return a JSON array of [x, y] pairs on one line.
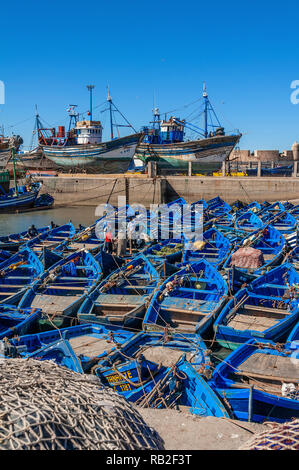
[[181, 430]]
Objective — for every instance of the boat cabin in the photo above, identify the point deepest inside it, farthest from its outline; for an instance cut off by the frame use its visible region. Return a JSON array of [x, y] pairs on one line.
[[172, 131], [89, 132]]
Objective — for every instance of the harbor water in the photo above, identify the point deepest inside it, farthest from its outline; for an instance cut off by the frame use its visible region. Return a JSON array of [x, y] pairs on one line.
[[15, 223]]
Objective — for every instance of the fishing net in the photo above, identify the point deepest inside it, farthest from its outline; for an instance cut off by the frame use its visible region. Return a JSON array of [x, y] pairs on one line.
[[47, 407], [278, 437], [247, 258]]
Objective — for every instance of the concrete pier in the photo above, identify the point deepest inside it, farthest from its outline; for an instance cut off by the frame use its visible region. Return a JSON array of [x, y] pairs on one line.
[[92, 190]]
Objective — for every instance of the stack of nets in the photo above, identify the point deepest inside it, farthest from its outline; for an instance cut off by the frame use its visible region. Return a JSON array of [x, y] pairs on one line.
[[247, 257], [46, 407], [278, 437]]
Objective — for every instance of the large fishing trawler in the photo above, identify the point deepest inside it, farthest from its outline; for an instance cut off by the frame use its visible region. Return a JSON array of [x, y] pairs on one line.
[[82, 147], [164, 142]]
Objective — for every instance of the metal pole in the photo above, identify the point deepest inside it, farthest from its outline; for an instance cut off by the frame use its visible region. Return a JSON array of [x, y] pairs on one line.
[[90, 88], [14, 170]]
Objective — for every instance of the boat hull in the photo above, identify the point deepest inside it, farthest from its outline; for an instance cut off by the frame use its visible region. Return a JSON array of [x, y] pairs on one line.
[[108, 157], [206, 155]]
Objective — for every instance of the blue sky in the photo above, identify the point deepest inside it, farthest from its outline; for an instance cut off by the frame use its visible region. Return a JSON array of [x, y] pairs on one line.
[[246, 52]]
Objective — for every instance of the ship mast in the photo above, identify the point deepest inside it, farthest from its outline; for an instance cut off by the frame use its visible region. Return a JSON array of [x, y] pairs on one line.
[[109, 99], [112, 108], [90, 88], [206, 103]]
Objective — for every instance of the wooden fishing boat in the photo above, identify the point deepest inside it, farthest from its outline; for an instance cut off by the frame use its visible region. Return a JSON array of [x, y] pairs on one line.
[[218, 206], [238, 279], [283, 221], [14, 241], [294, 211], [254, 207], [188, 301], [51, 239], [293, 258], [4, 255], [16, 321], [214, 248], [164, 142], [249, 222], [267, 309], [17, 274], [19, 198], [60, 291], [85, 238], [257, 381], [49, 258], [87, 343], [171, 250], [234, 235], [122, 298], [293, 336], [268, 250], [155, 370]]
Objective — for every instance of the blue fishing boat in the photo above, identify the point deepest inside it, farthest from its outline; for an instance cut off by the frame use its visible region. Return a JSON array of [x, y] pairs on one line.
[[51, 239], [19, 198], [158, 370], [249, 222], [85, 238], [122, 298], [4, 255], [294, 211], [188, 301], [293, 336], [293, 257], [259, 382], [86, 344], [284, 222], [238, 279], [260, 251], [17, 274], [14, 241], [17, 321], [267, 309], [234, 235], [254, 207], [60, 291], [214, 248], [171, 250], [218, 206], [49, 258], [44, 201]]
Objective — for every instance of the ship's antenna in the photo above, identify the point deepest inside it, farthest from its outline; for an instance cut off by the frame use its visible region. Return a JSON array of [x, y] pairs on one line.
[[73, 115]]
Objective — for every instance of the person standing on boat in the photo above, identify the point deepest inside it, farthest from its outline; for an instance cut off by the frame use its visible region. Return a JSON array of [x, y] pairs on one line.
[[32, 231], [108, 240]]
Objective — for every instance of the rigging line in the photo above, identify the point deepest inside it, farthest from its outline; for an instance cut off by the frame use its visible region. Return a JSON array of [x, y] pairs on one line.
[[184, 106], [21, 122]]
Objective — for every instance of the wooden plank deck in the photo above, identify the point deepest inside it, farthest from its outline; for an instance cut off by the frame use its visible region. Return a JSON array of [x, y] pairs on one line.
[[280, 368], [179, 304], [89, 345], [248, 322], [53, 303], [115, 300]]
